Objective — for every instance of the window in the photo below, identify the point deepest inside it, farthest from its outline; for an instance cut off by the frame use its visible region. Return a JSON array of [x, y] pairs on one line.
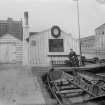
[[56, 45], [33, 42]]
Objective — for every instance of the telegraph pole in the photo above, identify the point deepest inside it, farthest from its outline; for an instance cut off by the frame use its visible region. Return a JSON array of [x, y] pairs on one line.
[[78, 15]]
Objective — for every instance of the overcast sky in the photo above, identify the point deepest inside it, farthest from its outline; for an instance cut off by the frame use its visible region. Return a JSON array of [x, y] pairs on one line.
[[45, 13]]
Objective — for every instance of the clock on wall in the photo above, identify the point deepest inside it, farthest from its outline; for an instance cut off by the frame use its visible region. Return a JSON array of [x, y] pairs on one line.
[[55, 31]]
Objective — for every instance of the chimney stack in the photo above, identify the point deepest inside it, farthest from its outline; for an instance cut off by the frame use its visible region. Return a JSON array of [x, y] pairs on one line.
[[26, 18], [25, 43]]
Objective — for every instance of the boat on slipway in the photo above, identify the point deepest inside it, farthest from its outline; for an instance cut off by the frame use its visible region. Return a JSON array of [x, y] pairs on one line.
[[75, 86]]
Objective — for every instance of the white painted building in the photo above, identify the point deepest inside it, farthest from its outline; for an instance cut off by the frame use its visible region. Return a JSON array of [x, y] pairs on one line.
[[11, 44], [11, 49], [100, 41], [88, 47], [43, 48], [51, 45]]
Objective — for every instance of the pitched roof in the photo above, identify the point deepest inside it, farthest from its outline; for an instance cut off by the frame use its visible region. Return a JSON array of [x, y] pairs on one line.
[[11, 27], [102, 25], [18, 36]]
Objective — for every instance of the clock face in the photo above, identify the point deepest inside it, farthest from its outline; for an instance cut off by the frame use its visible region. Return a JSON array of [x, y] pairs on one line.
[[55, 31]]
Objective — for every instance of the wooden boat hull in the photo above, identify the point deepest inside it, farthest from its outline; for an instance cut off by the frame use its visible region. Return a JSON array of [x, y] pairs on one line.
[[64, 86]]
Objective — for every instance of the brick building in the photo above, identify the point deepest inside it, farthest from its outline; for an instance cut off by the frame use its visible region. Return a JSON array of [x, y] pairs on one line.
[[11, 26]]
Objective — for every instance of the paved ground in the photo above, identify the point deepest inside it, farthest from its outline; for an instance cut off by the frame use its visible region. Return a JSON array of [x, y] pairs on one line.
[[19, 87]]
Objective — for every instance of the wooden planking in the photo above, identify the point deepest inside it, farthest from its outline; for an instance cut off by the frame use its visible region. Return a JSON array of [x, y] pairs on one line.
[[9, 40], [39, 53]]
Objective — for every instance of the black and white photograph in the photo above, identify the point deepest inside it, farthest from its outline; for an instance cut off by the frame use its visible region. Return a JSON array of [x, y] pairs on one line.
[[52, 52]]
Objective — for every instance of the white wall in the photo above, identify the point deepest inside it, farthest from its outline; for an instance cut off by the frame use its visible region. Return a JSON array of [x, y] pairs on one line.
[[39, 53], [100, 41], [14, 47]]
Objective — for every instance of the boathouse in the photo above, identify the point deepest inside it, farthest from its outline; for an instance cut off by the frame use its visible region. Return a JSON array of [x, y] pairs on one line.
[[51, 46], [48, 46]]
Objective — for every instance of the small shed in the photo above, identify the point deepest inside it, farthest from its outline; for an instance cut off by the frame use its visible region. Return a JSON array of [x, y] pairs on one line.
[[11, 49], [51, 45]]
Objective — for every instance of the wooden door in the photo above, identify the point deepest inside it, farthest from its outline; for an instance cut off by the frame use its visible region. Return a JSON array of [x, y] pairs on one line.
[[7, 53]]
